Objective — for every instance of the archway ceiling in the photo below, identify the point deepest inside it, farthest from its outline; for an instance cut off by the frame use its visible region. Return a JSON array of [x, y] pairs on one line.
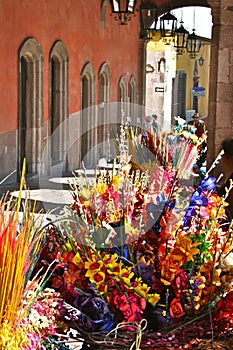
[[164, 5]]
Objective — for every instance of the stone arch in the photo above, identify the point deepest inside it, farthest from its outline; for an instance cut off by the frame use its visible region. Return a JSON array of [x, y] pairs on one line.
[[59, 49], [132, 87], [173, 4], [220, 120], [122, 97], [59, 101], [122, 89], [30, 103], [88, 115], [104, 79]]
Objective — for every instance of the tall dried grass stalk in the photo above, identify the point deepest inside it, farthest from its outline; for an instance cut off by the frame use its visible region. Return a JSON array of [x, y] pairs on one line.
[[18, 248]]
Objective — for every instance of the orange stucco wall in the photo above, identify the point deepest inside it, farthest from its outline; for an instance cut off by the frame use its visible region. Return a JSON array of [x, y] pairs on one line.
[[78, 24]]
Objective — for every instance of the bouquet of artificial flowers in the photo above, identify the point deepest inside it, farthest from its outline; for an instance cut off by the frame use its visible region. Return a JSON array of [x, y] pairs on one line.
[[143, 249]]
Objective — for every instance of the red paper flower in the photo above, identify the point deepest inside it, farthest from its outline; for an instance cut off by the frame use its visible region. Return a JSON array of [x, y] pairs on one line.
[[176, 309], [224, 313], [128, 305]]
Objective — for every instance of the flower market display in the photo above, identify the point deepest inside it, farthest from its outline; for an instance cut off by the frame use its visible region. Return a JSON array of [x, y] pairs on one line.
[[140, 260]]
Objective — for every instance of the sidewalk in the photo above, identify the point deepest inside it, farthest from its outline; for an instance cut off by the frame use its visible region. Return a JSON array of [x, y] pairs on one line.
[[51, 193], [48, 195]]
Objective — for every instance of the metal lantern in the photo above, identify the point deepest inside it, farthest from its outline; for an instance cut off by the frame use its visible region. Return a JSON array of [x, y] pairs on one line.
[[180, 39], [201, 61], [193, 44], [148, 16], [123, 10], [168, 25]]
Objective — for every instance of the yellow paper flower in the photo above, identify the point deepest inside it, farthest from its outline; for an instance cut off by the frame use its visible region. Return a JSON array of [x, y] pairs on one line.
[[121, 272], [85, 193], [77, 259], [167, 275], [115, 181], [100, 188], [131, 231], [116, 215], [187, 247], [211, 273], [93, 266], [116, 270], [97, 277], [202, 281], [110, 261], [126, 275], [153, 298], [142, 290]]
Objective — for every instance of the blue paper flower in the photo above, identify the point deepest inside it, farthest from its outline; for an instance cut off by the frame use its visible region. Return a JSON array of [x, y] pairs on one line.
[[207, 184], [198, 200], [122, 253]]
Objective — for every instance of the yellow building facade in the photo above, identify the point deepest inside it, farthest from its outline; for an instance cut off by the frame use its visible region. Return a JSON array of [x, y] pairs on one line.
[[170, 78]]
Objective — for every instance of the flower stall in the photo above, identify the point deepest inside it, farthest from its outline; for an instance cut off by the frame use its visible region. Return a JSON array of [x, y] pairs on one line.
[[140, 260]]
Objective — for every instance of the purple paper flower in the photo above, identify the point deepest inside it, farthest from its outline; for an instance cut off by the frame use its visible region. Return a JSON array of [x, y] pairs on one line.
[[146, 272], [96, 316]]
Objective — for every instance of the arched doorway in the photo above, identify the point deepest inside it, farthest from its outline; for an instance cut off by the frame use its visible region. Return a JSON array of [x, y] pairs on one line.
[[122, 97], [30, 117], [59, 86], [88, 115], [133, 110], [104, 78]]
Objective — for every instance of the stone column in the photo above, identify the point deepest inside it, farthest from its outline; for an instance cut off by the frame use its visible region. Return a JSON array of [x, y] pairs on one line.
[[220, 117], [142, 71]]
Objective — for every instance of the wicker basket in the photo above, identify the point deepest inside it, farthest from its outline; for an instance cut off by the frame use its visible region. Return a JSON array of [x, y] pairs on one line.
[[197, 335]]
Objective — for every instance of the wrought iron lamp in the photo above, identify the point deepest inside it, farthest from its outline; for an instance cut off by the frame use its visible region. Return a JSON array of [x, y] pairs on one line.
[[193, 42], [201, 61], [168, 25], [123, 10], [180, 39], [148, 17]]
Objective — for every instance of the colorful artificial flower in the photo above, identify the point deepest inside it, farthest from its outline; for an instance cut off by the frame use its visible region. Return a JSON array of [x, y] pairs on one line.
[[184, 243], [128, 306], [176, 310], [143, 241]]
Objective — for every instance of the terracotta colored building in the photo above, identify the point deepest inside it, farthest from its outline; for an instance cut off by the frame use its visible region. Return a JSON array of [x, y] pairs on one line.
[[65, 64], [58, 58]]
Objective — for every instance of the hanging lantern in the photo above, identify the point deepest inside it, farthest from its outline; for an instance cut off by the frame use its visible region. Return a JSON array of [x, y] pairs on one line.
[[168, 25], [193, 44], [201, 61], [180, 39], [149, 16], [123, 10]]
